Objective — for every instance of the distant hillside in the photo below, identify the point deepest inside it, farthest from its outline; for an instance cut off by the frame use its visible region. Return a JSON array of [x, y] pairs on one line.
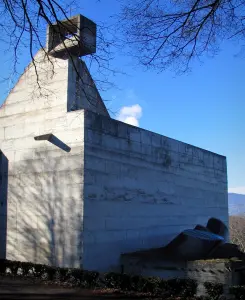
[[236, 204]]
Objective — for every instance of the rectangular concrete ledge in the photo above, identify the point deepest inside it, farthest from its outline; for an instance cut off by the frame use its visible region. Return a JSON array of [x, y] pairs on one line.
[[54, 140]]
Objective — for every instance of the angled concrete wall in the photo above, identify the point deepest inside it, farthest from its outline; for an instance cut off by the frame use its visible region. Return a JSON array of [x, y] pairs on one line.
[[82, 91], [45, 183], [142, 189]]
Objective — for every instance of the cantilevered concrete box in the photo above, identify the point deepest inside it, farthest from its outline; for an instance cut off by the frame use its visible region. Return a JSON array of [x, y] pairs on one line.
[[77, 34]]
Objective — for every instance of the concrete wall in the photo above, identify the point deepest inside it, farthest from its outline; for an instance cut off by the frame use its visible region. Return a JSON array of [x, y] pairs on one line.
[[45, 184], [82, 91], [215, 270], [142, 189], [3, 203], [119, 189]]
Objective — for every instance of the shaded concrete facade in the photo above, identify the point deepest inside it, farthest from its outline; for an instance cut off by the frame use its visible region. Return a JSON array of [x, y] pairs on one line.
[[119, 189], [44, 206], [142, 189]]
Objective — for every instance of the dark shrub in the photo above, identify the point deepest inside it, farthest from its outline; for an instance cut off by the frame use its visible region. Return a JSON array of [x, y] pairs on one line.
[[189, 288], [214, 290], [26, 267], [62, 274], [14, 266], [3, 266], [39, 270], [137, 283], [125, 283], [77, 274], [51, 272], [112, 280], [180, 287], [153, 285], [150, 285], [238, 292], [90, 279]]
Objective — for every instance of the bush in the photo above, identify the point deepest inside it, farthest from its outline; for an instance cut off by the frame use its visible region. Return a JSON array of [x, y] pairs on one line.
[[127, 282], [50, 272], [13, 266], [39, 270], [62, 274], [26, 268], [138, 284], [190, 288], [112, 280], [182, 287], [153, 285], [18, 267], [3, 266], [77, 274], [150, 285], [214, 290], [238, 292], [90, 279]]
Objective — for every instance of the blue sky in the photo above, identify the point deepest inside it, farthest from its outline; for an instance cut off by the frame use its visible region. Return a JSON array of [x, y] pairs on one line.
[[205, 107]]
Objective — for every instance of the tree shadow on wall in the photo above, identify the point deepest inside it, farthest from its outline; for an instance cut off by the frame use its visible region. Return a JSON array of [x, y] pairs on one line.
[[45, 225], [3, 203]]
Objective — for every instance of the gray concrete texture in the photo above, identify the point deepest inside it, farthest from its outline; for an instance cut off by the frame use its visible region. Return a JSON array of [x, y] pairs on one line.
[[142, 189], [119, 189], [78, 34], [221, 271]]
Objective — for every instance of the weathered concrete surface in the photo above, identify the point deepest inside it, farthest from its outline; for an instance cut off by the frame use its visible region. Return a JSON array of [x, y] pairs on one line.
[[222, 271], [217, 271], [142, 189], [83, 41], [118, 190], [45, 184], [82, 91]]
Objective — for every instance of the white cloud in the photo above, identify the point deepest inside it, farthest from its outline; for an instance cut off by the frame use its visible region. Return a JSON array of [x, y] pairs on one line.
[[237, 190], [130, 114]]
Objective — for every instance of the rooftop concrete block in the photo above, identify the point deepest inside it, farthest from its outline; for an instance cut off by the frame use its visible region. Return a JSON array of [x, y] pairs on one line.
[[76, 35]]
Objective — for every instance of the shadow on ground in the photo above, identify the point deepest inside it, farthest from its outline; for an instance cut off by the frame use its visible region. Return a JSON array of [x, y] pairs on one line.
[[25, 289]]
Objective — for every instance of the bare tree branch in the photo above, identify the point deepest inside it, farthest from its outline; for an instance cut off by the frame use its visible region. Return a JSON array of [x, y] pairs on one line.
[[24, 22], [174, 32], [237, 231]]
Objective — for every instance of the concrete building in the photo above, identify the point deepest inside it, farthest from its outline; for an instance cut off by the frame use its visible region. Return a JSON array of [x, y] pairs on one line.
[[78, 188]]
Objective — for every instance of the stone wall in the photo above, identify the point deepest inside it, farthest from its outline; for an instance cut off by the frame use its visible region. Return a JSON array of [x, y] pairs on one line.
[[142, 189], [45, 184]]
